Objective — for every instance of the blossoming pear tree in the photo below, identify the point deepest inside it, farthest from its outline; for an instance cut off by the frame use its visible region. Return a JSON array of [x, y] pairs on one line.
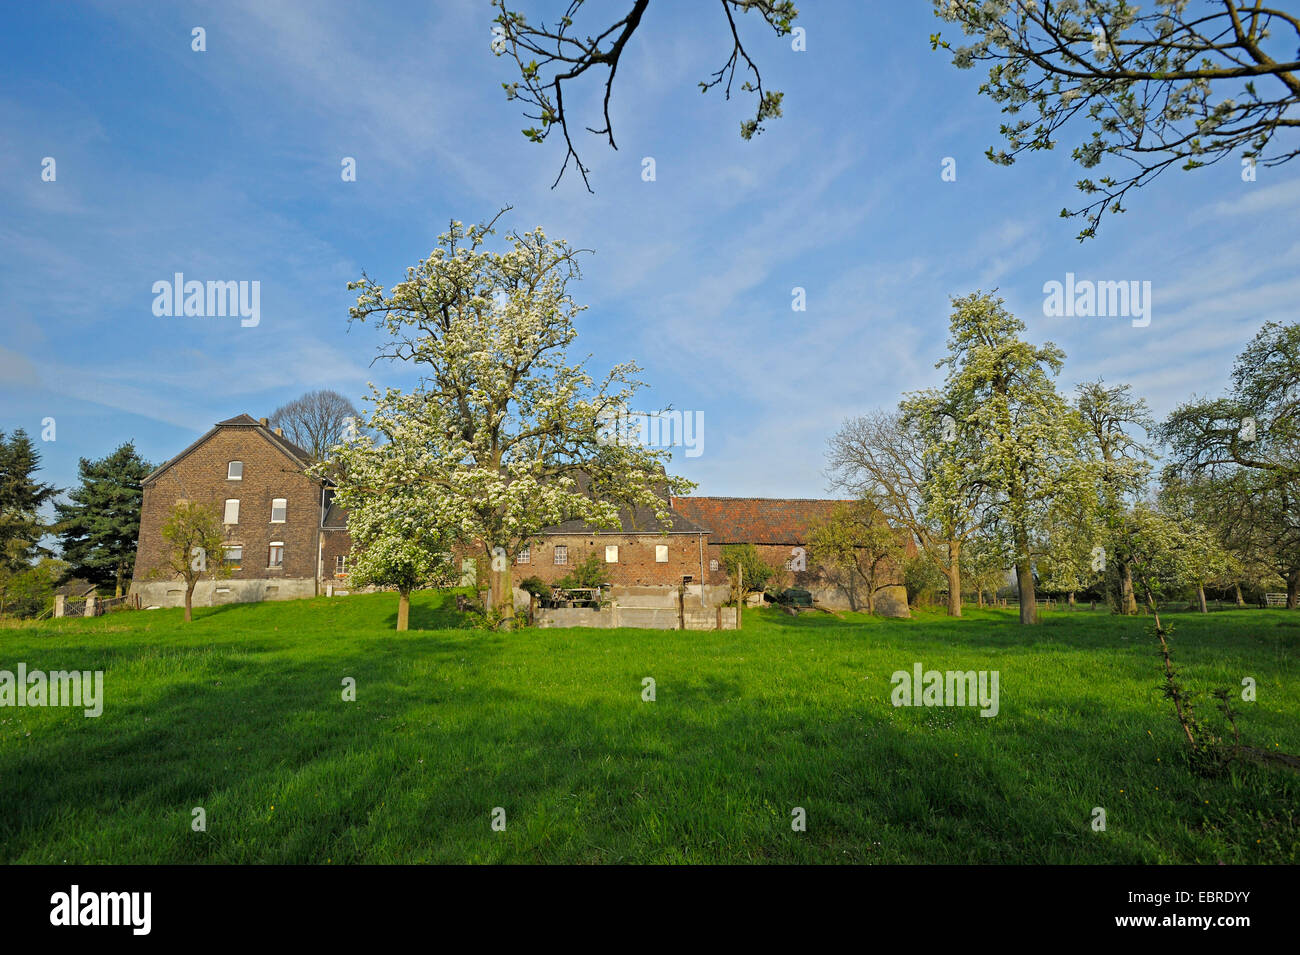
[[393, 544], [504, 434], [1006, 431]]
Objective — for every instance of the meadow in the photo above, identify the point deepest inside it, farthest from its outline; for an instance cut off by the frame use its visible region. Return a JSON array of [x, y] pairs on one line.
[[242, 713]]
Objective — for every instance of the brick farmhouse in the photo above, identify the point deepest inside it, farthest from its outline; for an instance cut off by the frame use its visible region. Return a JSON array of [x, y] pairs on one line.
[[286, 538], [280, 542]]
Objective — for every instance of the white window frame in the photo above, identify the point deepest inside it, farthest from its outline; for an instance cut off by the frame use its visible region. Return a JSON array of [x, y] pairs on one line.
[[269, 547], [283, 502], [230, 467], [713, 563], [236, 563], [561, 554], [525, 555], [661, 553], [340, 565], [611, 553], [226, 515]]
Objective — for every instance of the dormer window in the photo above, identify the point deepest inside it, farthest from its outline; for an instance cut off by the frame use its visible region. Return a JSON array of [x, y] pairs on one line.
[[235, 471]]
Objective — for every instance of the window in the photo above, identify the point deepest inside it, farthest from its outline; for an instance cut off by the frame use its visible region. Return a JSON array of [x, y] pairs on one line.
[[713, 564], [275, 555], [233, 556], [232, 511], [611, 553], [235, 471], [279, 508], [561, 554], [340, 565], [525, 556], [661, 553]]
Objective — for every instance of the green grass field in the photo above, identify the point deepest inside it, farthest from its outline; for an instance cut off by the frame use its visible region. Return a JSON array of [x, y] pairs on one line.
[[241, 713]]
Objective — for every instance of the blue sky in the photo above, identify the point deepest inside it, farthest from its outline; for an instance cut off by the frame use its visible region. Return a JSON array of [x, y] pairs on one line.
[[225, 165]]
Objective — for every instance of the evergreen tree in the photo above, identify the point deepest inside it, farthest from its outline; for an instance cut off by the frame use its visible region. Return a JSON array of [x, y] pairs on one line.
[[21, 500], [98, 527]]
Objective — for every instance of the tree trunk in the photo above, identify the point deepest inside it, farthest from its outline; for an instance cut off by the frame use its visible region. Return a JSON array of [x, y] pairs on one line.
[[1200, 596], [954, 578], [1028, 595], [1071, 599], [1241, 601], [979, 597], [740, 590], [1127, 601], [503, 596], [117, 592], [189, 600], [1293, 590], [403, 609]]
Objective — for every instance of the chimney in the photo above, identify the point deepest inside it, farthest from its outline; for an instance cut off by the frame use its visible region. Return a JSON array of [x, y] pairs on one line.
[[280, 432], [263, 422]]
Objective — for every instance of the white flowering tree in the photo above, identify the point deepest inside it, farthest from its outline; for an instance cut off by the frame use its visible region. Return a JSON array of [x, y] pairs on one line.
[[1119, 465], [1006, 432], [1159, 85], [504, 435], [394, 545]]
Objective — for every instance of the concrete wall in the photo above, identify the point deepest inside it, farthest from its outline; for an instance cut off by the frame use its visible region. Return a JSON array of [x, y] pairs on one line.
[[644, 618], [652, 608], [171, 593], [827, 587]]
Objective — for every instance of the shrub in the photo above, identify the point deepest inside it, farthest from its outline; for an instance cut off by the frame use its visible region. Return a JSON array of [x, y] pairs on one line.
[[923, 580], [737, 557], [590, 573], [534, 586]]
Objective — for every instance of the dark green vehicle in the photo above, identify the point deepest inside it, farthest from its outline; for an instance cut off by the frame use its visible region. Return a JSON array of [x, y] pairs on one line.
[[795, 597]]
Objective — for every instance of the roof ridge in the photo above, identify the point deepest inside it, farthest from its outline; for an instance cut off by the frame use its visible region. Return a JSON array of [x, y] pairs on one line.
[[244, 420]]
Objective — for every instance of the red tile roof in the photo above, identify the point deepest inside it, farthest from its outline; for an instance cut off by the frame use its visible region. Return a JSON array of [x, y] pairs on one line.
[[755, 520]]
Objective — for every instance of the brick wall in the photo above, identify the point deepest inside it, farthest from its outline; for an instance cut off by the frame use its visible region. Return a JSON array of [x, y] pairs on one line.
[[335, 542], [268, 474], [636, 565]]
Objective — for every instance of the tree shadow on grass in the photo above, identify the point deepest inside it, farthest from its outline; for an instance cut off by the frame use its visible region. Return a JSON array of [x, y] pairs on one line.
[[439, 736]]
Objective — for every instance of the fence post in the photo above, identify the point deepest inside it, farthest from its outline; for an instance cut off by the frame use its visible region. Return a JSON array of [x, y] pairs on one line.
[[90, 605], [58, 604]]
